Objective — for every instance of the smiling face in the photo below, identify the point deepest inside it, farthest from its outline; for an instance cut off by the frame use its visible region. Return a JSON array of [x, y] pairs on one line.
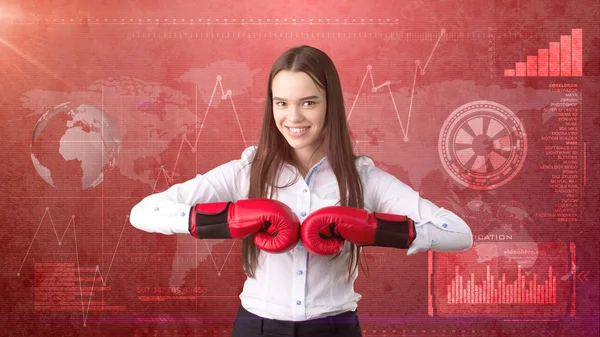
[[299, 108]]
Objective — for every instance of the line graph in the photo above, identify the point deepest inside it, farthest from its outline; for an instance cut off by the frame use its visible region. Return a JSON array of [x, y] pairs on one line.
[[56, 281], [219, 269], [169, 178], [104, 279], [418, 69]]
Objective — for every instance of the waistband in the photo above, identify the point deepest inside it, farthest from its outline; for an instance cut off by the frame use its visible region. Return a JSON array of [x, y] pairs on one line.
[[318, 325]]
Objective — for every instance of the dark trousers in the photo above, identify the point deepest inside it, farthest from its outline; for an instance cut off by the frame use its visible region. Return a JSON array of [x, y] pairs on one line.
[[248, 324]]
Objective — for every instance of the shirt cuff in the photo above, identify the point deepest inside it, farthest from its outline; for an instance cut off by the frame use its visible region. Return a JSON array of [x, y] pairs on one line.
[[172, 219], [443, 231], [181, 221], [422, 241]]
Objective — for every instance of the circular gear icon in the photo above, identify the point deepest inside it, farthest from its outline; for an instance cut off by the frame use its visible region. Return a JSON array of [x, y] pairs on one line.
[[482, 145]]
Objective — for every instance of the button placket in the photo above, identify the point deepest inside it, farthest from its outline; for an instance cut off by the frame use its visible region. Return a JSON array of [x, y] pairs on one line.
[[303, 201], [299, 284], [300, 259]]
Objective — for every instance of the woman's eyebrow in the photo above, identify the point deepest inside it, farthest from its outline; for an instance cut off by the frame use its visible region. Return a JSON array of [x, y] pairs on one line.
[[301, 99]]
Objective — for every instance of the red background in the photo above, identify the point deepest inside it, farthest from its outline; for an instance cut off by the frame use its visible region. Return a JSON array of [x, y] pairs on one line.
[[152, 67]]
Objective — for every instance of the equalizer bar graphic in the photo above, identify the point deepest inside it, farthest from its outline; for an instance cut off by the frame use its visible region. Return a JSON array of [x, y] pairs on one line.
[[504, 279], [561, 58], [520, 291]]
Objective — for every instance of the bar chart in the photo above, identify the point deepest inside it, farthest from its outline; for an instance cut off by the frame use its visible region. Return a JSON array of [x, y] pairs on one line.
[[486, 291], [561, 58], [509, 280]]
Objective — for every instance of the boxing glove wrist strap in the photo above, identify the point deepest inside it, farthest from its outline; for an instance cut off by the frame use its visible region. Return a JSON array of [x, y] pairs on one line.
[[393, 230], [209, 221]]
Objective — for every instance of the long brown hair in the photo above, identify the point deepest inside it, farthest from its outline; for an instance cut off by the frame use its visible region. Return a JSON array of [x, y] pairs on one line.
[[273, 150]]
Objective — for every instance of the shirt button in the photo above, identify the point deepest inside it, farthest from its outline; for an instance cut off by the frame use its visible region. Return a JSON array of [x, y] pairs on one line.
[[305, 190], [298, 302], [182, 214], [303, 213], [445, 225], [156, 209], [299, 272]]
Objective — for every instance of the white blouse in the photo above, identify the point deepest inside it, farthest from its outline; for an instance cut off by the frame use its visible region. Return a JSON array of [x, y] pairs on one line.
[[297, 285]]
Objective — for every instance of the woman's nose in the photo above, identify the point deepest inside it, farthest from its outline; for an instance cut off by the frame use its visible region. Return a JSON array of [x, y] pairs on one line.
[[294, 113]]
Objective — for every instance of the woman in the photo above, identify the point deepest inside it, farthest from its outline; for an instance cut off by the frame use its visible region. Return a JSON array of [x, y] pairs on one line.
[[300, 278]]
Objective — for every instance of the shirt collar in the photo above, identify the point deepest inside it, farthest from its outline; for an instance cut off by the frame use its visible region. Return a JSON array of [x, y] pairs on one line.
[[323, 161]]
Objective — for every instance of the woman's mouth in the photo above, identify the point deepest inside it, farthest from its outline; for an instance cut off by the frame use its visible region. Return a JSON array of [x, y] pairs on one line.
[[297, 132]]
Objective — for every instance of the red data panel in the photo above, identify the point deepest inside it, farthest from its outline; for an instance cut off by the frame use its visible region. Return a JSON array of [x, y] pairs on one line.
[[503, 279]]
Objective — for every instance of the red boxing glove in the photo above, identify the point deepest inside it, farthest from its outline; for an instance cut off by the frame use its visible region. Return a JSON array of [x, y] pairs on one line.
[[276, 226], [324, 231]]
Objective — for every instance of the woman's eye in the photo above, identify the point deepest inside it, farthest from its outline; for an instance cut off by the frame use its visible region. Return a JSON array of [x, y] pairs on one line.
[[309, 103], [280, 104]]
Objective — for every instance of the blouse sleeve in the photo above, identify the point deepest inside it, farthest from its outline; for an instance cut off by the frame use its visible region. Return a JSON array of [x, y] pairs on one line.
[[437, 228], [167, 212]]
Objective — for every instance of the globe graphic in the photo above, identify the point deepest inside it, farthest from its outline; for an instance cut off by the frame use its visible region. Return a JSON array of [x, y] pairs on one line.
[[72, 147]]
